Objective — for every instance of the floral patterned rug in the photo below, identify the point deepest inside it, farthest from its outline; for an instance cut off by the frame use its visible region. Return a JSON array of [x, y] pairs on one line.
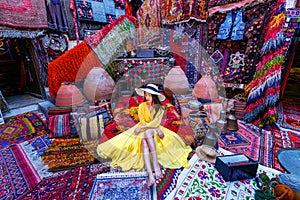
[[203, 181]]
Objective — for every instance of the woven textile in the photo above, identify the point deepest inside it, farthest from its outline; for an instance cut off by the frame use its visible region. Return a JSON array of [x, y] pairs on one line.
[[59, 126], [73, 65], [64, 154], [20, 128], [203, 181], [200, 180], [182, 11], [246, 140], [264, 89], [17, 174], [167, 183], [122, 186], [149, 22], [75, 183], [23, 14]]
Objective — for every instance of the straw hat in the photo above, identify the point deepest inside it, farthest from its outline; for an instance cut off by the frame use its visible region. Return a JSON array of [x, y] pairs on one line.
[[207, 153], [152, 89]]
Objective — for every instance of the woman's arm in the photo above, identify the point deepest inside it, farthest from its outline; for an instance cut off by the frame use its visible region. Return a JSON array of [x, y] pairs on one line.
[[157, 120]]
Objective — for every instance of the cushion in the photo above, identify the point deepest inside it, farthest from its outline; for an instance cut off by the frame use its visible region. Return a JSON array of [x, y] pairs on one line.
[[61, 126]]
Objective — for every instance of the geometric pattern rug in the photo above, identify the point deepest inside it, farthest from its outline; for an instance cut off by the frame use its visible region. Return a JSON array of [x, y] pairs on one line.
[[74, 183], [250, 140], [203, 181], [284, 138], [246, 140], [17, 175], [20, 128], [121, 186], [167, 183], [289, 114]]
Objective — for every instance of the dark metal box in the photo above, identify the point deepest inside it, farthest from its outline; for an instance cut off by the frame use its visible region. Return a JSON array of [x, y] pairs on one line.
[[236, 167]]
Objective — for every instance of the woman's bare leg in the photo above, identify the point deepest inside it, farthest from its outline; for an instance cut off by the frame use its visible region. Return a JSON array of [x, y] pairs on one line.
[[151, 144], [146, 155]]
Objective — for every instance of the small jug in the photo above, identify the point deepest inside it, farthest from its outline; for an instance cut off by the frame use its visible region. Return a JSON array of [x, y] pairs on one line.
[[212, 136], [221, 123], [232, 124]]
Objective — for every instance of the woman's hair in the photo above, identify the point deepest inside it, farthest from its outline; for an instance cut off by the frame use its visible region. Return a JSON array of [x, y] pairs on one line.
[[156, 103]]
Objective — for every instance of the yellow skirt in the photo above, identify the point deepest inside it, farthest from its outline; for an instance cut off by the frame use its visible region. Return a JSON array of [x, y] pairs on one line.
[[126, 151]]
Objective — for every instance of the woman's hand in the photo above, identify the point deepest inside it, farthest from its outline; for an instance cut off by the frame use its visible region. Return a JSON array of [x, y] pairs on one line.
[[160, 133], [139, 129]]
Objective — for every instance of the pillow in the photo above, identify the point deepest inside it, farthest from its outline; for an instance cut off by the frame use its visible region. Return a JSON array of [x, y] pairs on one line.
[[91, 128], [60, 110], [93, 120], [61, 126]]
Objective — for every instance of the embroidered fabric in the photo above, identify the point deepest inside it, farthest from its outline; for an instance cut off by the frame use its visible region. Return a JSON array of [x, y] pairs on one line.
[[234, 25], [225, 27], [238, 27]]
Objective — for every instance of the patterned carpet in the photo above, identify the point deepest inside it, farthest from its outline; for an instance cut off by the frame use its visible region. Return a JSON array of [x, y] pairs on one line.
[[20, 128], [203, 181], [75, 183], [121, 186]]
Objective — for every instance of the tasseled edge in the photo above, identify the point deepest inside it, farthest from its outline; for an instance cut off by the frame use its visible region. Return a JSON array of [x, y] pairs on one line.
[[20, 34], [110, 38], [255, 109], [272, 82], [273, 43]]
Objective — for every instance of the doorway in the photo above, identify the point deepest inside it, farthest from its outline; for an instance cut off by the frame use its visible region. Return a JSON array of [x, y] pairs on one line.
[[19, 81]]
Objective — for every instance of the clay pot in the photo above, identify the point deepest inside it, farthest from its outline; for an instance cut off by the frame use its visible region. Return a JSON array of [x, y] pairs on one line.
[[205, 90], [176, 81], [98, 85], [69, 95]]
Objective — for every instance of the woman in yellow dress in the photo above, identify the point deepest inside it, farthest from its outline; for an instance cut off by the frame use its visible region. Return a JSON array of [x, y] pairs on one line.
[[147, 141]]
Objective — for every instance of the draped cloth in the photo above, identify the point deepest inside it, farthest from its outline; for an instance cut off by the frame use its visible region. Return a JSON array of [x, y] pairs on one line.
[[17, 17], [264, 89]]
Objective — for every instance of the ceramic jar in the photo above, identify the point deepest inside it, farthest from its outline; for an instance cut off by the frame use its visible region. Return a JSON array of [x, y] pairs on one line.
[[98, 85], [69, 95]]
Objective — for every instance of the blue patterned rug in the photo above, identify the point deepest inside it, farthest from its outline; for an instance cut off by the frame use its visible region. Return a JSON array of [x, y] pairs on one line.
[[121, 186], [231, 139]]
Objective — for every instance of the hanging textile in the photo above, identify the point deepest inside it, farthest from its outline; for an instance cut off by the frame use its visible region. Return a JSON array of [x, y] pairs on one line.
[[22, 19], [264, 90], [149, 24], [56, 16], [106, 41], [177, 11]]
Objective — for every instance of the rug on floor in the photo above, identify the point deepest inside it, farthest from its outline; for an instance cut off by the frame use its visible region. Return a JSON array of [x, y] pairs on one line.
[[246, 140], [167, 183], [20, 128], [203, 181], [284, 138], [65, 154], [121, 186], [289, 113], [32, 151], [17, 175], [75, 183]]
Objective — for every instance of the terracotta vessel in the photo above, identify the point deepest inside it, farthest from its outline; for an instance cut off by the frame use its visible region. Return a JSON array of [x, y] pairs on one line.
[[98, 85], [205, 90], [176, 81], [69, 95]]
